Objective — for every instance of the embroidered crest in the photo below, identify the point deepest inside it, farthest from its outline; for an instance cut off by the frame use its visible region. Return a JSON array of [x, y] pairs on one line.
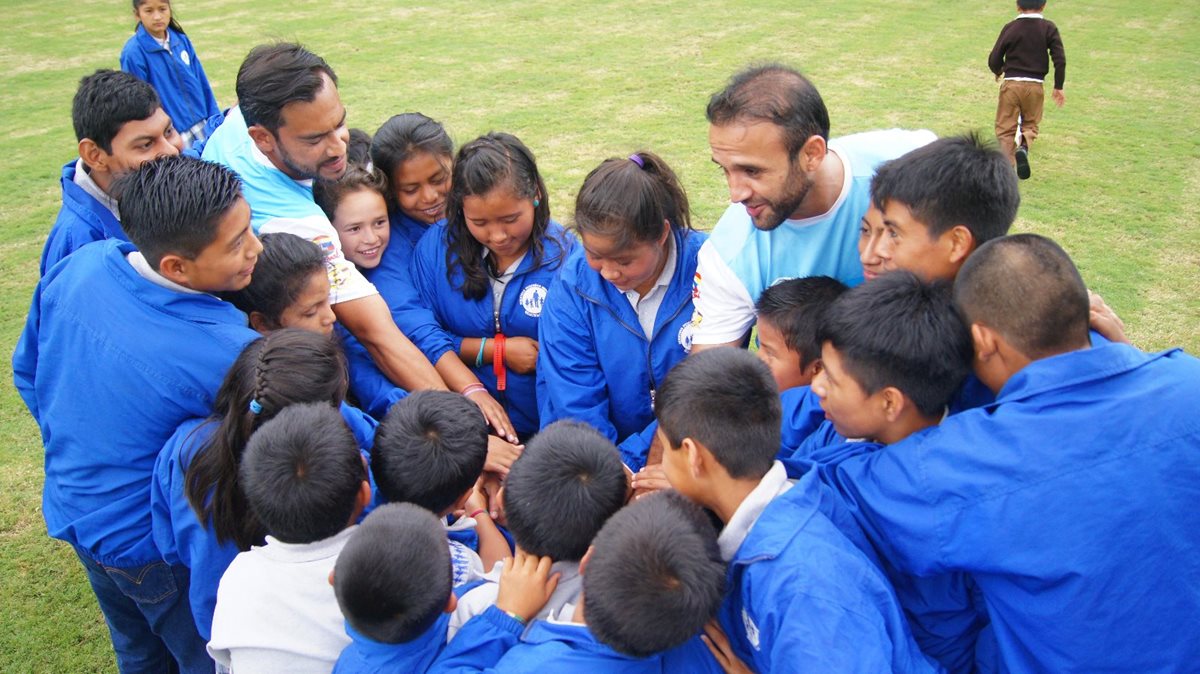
[[187, 60], [751, 629], [532, 299], [685, 335]]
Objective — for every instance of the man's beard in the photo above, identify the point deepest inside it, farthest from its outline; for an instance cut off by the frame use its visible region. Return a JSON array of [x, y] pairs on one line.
[[783, 208]]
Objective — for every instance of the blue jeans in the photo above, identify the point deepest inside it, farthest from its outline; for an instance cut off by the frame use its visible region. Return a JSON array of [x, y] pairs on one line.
[[149, 616]]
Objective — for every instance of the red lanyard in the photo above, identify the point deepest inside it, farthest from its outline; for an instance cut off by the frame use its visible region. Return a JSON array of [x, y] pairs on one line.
[[498, 362]]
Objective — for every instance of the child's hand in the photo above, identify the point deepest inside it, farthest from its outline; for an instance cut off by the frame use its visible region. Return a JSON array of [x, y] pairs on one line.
[[493, 488], [1059, 97], [1104, 320], [649, 480], [714, 637], [478, 499], [525, 585], [500, 455], [520, 354]]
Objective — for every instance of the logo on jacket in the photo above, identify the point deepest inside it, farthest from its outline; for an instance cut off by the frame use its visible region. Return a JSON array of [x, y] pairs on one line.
[[751, 629], [187, 60], [532, 299], [685, 335]]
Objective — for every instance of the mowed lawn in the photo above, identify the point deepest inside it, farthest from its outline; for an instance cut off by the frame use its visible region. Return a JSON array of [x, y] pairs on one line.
[[1116, 173]]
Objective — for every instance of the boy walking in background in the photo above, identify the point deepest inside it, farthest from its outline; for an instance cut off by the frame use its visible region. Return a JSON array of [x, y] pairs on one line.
[[1022, 57]]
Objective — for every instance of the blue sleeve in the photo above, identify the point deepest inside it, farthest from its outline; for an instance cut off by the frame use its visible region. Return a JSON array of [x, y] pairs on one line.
[[25, 357], [161, 488], [945, 616], [133, 60], [824, 635], [802, 415], [210, 99], [423, 327], [372, 389], [570, 381], [480, 644], [635, 449]]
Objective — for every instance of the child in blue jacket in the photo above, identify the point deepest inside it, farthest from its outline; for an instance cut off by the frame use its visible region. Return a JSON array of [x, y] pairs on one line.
[[651, 580], [800, 591], [485, 274], [619, 316], [160, 53], [121, 346], [199, 513]]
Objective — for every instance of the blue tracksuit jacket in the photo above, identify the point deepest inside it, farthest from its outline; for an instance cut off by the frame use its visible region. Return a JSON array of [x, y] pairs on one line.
[[491, 642], [367, 656], [181, 537], [1070, 500], [176, 75], [595, 364], [110, 365], [80, 221], [804, 428], [521, 307]]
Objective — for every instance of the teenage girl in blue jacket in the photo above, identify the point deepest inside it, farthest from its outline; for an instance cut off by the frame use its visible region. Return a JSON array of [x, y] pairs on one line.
[[160, 53], [486, 272], [619, 316]]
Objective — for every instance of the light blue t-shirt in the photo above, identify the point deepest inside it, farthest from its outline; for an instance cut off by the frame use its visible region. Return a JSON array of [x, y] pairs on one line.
[[739, 260]]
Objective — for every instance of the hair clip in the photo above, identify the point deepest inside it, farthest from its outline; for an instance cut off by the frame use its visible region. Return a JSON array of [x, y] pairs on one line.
[[637, 159], [255, 406]]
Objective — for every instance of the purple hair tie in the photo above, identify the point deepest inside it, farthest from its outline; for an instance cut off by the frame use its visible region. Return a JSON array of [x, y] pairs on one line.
[[637, 159]]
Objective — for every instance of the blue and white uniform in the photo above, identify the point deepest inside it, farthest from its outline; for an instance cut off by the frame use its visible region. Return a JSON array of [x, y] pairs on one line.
[[87, 215], [595, 363], [1070, 500], [517, 315], [176, 75], [367, 656], [740, 260]]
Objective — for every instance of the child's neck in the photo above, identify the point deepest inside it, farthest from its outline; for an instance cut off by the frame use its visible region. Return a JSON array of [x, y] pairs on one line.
[[905, 426], [728, 493]]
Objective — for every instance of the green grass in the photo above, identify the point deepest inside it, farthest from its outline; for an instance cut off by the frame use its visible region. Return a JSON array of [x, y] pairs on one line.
[[1117, 171]]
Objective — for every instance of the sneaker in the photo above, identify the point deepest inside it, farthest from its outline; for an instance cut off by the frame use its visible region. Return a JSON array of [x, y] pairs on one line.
[[1022, 163]]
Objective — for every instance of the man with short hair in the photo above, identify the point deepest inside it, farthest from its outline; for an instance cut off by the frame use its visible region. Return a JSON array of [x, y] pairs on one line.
[[797, 197]]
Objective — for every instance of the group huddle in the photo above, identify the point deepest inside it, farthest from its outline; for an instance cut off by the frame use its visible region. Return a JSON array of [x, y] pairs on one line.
[[314, 399]]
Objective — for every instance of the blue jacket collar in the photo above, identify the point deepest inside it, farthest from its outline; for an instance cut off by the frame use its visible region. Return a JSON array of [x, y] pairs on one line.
[[579, 637], [425, 647], [200, 308], [147, 42], [1071, 369], [781, 522], [407, 227], [86, 207]]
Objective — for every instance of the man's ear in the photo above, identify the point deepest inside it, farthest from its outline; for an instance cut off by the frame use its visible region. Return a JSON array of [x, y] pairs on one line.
[[962, 243], [586, 559], [263, 139], [175, 268], [812, 153], [93, 155]]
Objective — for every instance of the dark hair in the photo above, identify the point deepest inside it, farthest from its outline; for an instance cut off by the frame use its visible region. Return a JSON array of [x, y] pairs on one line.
[[284, 267], [1026, 288], [482, 165], [429, 450], [174, 205], [105, 101], [796, 307], [393, 578], [302, 472], [725, 399], [772, 93], [358, 151], [277, 370], [899, 331], [655, 576], [405, 136], [274, 75], [173, 25], [628, 200], [329, 193], [1031, 4], [957, 180], [562, 489]]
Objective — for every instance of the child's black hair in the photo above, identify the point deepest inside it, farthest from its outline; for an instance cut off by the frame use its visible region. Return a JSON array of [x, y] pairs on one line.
[[772, 93], [329, 193], [899, 331], [284, 267], [105, 101], [174, 205], [629, 199], [1026, 288], [1031, 4], [429, 450], [174, 24], [273, 75], [796, 307], [393, 578], [403, 137], [726, 400], [284, 367], [562, 489], [497, 160], [655, 576], [957, 180], [302, 473], [359, 150]]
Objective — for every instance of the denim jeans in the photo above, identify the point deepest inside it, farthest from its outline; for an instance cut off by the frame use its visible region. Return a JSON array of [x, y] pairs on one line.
[[149, 616]]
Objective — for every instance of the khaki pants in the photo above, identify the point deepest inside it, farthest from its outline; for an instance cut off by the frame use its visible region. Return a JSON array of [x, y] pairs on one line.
[[1023, 101]]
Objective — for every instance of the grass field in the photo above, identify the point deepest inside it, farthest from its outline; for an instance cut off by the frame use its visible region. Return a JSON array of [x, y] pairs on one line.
[[1116, 173]]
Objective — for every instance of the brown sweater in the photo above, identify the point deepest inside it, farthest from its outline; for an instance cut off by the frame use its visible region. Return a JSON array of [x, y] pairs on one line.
[[1024, 49]]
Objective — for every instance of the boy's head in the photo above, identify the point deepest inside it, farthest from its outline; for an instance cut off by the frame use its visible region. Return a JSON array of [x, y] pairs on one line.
[[562, 489], [189, 220], [654, 576], [303, 474], [894, 351], [1024, 300], [938, 203], [718, 416], [789, 314], [429, 450], [393, 578], [1031, 5], [120, 123]]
